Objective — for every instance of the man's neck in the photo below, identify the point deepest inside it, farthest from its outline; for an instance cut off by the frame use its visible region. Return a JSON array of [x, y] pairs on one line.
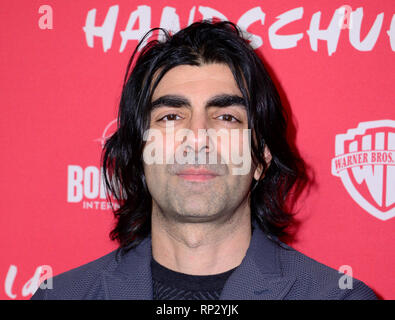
[[201, 248]]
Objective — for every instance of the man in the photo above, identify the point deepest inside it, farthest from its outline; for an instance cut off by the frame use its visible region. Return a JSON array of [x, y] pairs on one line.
[[196, 219]]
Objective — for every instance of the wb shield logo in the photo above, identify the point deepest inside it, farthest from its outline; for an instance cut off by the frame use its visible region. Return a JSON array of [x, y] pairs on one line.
[[365, 163]]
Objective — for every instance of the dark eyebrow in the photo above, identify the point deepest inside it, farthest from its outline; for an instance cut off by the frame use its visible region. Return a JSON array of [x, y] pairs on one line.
[[222, 100], [171, 101], [226, 100]]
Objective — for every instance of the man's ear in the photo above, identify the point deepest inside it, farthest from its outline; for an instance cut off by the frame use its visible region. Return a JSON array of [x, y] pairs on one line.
[[259, 174]]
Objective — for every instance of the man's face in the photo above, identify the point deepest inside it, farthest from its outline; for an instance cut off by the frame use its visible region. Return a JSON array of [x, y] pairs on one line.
[[190, 100]]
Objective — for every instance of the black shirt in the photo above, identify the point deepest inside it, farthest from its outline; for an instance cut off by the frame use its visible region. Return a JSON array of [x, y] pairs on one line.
[[172, 285]]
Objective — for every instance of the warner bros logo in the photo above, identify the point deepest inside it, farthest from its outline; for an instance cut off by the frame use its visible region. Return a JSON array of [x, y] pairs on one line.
[[365, 163]]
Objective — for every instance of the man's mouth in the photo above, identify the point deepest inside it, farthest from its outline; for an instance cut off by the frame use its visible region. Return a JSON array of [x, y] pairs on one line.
[[197, 174]]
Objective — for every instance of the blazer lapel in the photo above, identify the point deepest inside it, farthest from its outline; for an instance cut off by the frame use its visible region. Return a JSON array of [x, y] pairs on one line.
[[259, 275], [131, 280]]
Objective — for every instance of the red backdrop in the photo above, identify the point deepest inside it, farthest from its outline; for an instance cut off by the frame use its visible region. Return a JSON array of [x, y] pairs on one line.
[[61, 81]]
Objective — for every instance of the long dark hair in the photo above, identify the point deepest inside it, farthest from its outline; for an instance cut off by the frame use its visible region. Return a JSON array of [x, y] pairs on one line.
[[122, 160]]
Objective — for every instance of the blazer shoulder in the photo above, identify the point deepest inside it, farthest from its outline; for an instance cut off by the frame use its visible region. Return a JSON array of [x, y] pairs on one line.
[[317, 281], [82, 282]]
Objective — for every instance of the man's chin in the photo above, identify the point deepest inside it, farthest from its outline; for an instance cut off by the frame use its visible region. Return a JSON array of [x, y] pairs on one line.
[[197, 218]]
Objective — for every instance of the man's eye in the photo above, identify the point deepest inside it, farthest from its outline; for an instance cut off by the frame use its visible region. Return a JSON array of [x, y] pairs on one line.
[[228, 117], [170, 117]]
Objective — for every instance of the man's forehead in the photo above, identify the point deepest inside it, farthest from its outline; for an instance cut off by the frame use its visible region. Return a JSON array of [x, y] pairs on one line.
[[206, 78]]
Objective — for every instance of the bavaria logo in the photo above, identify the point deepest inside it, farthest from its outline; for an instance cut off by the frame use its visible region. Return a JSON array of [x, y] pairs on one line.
[[365, 163]]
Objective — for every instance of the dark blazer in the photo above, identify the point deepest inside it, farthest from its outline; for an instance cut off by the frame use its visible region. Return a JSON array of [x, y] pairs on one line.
[[270, 270]]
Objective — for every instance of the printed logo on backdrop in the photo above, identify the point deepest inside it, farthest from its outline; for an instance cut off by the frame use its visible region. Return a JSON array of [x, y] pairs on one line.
[[85, 185], [42, 278], [365, 163], [343, 19]]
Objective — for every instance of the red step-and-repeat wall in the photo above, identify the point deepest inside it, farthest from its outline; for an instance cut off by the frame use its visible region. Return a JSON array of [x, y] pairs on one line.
[[62, 64]]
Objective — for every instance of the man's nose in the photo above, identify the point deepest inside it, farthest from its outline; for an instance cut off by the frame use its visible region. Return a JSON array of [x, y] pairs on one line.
[[197, 138]]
